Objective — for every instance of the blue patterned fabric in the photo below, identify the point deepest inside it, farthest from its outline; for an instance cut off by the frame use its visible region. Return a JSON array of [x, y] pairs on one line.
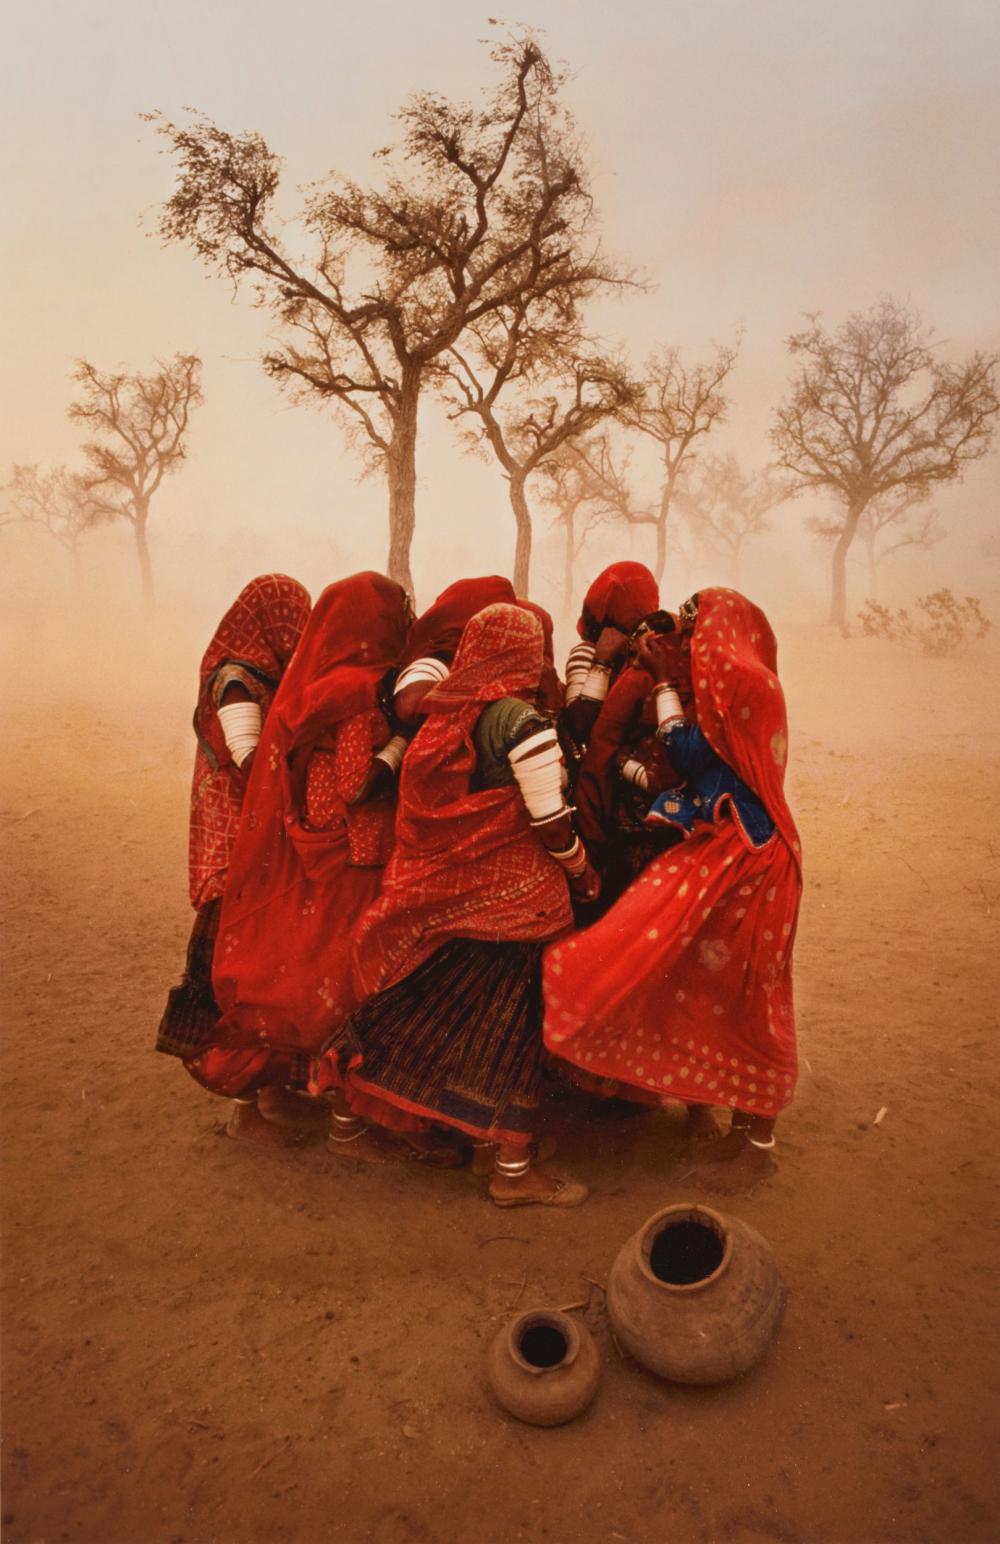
[[708, 783]]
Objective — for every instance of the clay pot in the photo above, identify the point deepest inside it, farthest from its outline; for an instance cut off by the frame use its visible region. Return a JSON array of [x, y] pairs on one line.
[[544, 1367], [695, 1296]]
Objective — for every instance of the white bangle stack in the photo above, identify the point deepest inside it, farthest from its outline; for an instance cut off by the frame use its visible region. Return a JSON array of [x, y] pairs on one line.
[[241, 726], [668, 706], [595, 687], [578, 663], [392, 753]]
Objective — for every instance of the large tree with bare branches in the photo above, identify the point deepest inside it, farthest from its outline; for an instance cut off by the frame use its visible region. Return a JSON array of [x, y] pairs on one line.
[[874, 413], [59, 502], [139, 428], [480, 207], [725, 508], [681, 404]]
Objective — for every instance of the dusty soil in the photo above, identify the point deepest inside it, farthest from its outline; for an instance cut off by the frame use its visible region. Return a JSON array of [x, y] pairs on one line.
[[207, 1343]]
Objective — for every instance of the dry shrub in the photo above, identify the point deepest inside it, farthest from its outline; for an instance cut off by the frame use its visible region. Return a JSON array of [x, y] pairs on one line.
[[942, 624]]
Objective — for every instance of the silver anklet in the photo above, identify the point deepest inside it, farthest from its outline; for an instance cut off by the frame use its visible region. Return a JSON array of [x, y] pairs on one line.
[[513, 1168], [763, 1146]]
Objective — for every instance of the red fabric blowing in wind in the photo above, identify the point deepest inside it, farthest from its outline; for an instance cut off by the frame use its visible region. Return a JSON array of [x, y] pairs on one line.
[[282, 959], [684, 988], [620, 597], [439, 629], [466, 863], [259, 631]]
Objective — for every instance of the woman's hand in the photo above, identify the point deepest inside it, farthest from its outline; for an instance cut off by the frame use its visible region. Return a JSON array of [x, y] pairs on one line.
[[657, 654], [586, 887], [611, 647]]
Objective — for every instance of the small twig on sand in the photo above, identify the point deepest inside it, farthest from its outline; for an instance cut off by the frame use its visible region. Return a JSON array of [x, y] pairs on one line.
[[917, 872], [495, 1238], [16, 819], [269, 1459], [520, 1291], [880, 1117], [572, 1307]]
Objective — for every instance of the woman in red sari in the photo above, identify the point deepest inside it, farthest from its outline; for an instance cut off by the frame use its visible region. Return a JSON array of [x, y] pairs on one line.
[[448, 958], [683, 990], [617, 601], [435, 636], [310, 852], [239, 676]]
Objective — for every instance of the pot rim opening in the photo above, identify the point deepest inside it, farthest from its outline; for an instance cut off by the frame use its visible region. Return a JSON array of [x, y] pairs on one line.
[[684, 1211], [551, 1318]]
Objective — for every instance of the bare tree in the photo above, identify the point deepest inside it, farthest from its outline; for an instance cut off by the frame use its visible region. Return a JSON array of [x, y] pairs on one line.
[[139, 425], [59, 501], [873, 413], [481, 207], [559, 388], [903, 515], [725, 508], [565, 490], [680, 405]]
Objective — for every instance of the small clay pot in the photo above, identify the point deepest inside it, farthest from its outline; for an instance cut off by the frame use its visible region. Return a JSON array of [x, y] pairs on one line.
[[544, 1367], [695, 1296]]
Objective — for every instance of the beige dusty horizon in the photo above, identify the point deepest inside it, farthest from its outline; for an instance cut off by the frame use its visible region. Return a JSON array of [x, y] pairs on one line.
[[756, 161]]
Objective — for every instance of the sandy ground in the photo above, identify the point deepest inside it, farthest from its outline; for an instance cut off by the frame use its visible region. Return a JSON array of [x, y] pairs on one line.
[[206, 1343]]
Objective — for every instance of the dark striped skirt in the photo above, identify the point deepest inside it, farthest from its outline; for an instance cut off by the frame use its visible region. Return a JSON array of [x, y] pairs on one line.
[[459, 1040], [192, 1012]]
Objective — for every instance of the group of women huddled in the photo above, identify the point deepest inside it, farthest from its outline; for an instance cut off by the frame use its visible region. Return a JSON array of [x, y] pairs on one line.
[[428, 875]]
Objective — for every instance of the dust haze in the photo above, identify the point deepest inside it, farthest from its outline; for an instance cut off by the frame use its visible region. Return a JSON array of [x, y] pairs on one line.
[[203, 1344]]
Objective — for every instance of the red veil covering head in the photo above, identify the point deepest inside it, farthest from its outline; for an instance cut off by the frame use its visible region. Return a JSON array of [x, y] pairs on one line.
[[282, 961], [257, 636], [684, 988], [259, 631], [548, 628], [438, 630], [619, 597], [466, 863]]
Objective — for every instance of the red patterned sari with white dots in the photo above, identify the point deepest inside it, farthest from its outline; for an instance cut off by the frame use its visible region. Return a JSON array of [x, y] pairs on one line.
[[684, 988]]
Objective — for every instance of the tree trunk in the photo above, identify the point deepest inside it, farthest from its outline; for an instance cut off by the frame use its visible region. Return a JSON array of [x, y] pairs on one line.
[[145, 566], [872, 569], [401, 473], [568, 554], [522, 548], [661, 546], [838, 597]]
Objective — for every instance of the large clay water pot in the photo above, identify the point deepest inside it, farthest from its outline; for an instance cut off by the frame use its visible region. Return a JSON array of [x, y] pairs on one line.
[[695, 1296], [544, 1367]]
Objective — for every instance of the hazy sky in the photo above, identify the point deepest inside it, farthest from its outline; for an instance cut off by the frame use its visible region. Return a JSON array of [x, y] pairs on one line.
[[758, 158]]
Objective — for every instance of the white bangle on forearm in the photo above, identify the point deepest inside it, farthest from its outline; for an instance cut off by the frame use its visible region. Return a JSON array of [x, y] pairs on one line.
[[537, 767], [668, 705], [578, 663], [595, 687], [241, 725], [422, 672], [634, 772], [392, 753], [572, 859]]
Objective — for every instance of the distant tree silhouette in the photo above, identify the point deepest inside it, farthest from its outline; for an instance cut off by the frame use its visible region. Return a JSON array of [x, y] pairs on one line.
[[679, 406], [139, 427], [903, 516], [59, 501], [873, 414], [725, 508]]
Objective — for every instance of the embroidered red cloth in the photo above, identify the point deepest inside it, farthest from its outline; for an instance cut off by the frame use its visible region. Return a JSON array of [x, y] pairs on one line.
[[684, 988], [438, 630], [619, 597], [281, 971], [259, 633], [466, 864]]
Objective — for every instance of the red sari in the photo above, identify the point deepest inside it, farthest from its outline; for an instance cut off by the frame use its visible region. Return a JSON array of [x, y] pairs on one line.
[[620, 596], [466, 863], [684, 989], [306, 862], [253, 644], [439, 629]]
